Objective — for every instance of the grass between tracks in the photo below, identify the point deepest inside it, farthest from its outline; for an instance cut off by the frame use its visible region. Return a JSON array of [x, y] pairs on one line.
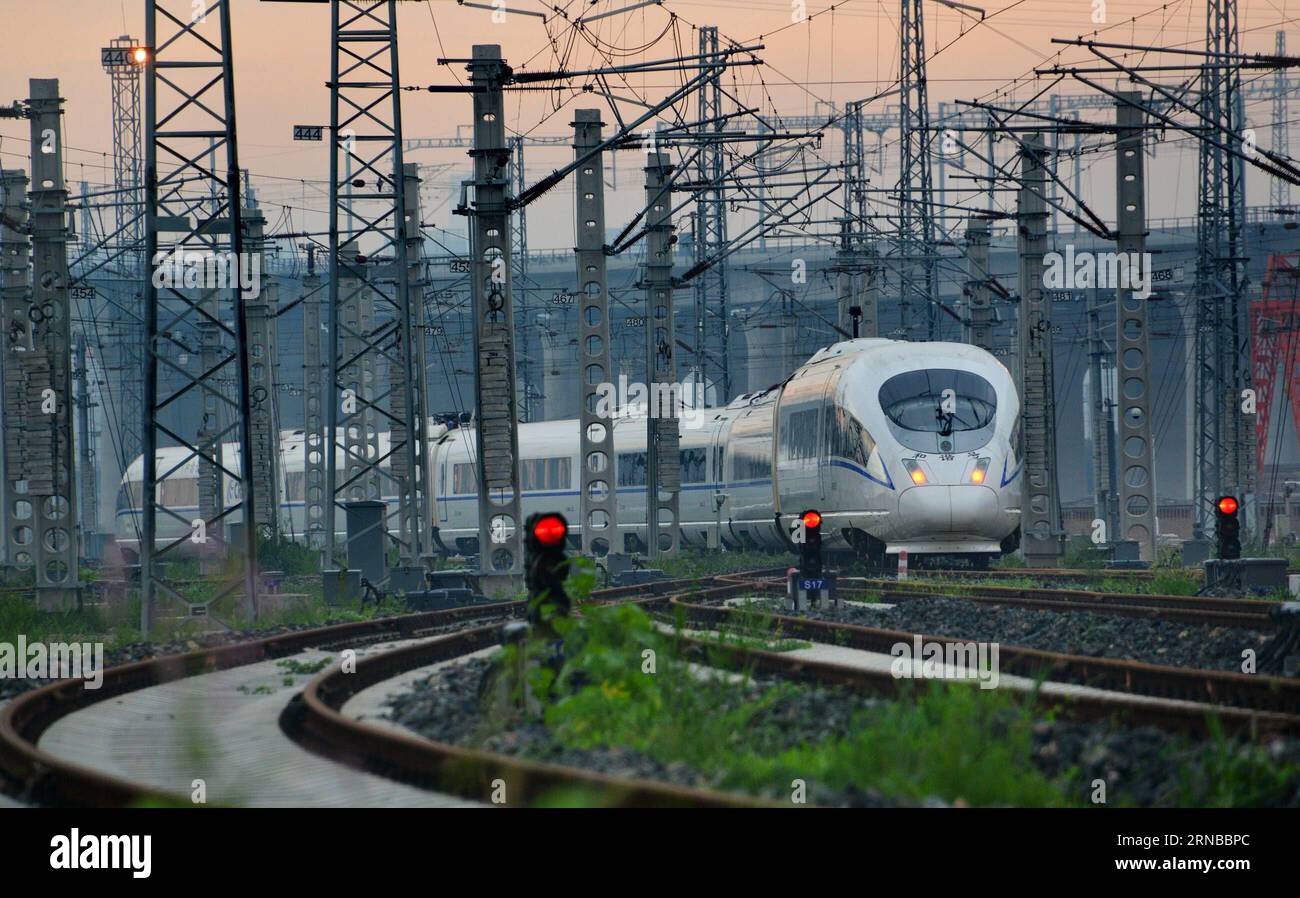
[[626, 683]]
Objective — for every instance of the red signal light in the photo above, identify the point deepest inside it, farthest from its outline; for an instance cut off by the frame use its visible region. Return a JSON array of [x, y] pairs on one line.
[[812, 520], [1228, 505], [550, 530]]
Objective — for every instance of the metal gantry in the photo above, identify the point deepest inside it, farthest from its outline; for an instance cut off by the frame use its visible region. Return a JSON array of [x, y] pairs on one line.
[[598, 488], [369, 310], [192, 194]]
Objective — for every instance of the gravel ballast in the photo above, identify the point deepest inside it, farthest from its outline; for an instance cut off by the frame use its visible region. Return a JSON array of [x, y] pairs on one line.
[[1141, 766]]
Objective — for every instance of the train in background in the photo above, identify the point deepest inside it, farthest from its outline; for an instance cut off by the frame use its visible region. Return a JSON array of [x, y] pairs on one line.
[[900, 445]]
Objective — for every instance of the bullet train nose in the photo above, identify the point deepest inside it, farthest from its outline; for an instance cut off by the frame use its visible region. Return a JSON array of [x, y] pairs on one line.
[[946, 509]]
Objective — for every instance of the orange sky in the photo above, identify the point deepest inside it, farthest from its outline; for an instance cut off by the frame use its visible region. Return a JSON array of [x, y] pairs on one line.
[[282, 59]]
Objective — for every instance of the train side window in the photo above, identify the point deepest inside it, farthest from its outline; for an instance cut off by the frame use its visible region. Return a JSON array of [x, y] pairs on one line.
[[180, 493], [752, 461], [631, 469], [693, 464], [846, 437], [545, 473], [798, 438], [559, 472], [463, 480]]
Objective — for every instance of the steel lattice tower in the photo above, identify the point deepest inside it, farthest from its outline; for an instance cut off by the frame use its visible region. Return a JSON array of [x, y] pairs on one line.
[[1279, 189], [529, 357], [127, 241], [916, 236], [369, 320], [1224, 436], [711, 304], [191, 178]]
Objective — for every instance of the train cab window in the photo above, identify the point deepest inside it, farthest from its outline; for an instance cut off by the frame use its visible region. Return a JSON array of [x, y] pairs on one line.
[[631, 469], [545, 474], [463, 481], [693, 464], [913, 403], [846, 438]]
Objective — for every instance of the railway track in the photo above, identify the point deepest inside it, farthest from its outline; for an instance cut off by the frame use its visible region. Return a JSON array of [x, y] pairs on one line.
[[1174, 698], [36, 776], [1210, 610], [1250, 693]]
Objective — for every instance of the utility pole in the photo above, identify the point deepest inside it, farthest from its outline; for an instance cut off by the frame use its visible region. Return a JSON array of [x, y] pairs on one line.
[[124, 61], [711, 301], [1040, 505], [263, 350], [1137, 492], [314, 443], [1224, 436], [47, 441], [979, 307], [1279, 189], [598, 487], [528, 358], [410, 426], [916, 236], [663, 461], [214, 548], [856, 286], [87, 461], [1099, 420], [500, 527], [15, 265]]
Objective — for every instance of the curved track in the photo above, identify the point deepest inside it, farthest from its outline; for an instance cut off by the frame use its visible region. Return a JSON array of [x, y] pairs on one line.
[[1174, 698]]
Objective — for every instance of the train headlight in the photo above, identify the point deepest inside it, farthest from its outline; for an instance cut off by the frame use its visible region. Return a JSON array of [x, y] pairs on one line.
[[915, 471], [980, 471]]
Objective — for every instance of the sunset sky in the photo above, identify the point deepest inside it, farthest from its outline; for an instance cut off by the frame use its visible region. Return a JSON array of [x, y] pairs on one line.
[[840, 53]]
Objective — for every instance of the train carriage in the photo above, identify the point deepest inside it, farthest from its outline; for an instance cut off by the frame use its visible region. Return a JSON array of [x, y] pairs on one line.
[[900, 445]]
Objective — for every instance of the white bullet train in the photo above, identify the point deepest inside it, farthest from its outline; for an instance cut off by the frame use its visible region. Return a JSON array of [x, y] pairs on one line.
[[899, 445]]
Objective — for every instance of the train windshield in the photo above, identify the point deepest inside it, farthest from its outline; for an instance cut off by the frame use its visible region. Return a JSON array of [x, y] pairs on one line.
[[939, 409]]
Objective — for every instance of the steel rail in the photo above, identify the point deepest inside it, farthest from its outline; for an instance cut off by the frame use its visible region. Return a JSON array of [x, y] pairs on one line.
[[31, 774]]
